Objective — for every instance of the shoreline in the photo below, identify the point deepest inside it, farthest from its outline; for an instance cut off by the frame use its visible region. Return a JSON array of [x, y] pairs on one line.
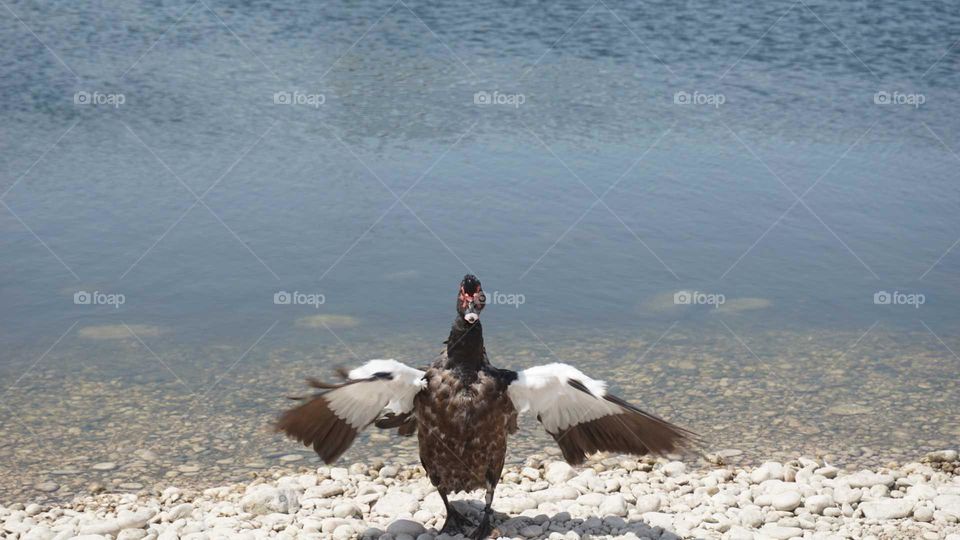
[[854, 408], [608, 497]]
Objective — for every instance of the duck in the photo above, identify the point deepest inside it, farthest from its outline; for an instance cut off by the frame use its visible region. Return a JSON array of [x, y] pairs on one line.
[[463, 409]]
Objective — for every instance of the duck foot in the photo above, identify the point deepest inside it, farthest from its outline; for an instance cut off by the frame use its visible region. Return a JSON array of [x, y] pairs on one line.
[[455, 523], [484, 529]]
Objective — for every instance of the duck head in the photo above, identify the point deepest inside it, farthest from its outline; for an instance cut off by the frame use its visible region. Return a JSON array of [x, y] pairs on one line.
[[465, 350], [470, 299]]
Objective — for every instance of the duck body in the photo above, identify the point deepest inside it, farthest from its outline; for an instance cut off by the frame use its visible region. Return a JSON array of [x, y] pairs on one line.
[[464, 414], [463, 410], [463, 420], [464, 417]]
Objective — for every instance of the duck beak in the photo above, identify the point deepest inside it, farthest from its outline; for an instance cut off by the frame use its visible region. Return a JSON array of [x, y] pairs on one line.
[[471, 318]]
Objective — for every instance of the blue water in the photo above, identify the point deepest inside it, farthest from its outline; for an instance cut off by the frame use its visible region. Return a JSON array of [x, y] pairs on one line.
[[303, 198], [197, 158]]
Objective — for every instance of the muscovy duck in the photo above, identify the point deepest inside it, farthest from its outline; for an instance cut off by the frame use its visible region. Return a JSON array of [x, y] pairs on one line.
[[462, 410]]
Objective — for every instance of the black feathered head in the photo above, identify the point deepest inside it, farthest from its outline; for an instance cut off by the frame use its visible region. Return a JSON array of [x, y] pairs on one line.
[[470, 299]]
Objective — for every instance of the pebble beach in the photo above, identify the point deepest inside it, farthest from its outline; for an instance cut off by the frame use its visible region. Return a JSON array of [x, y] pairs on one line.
[[609, 497]]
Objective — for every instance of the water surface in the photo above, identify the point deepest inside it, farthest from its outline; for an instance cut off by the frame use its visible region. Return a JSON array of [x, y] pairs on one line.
[[774, 155]]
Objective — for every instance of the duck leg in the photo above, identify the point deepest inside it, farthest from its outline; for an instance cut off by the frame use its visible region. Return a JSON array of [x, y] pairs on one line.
[[483, 529], [455, 521]]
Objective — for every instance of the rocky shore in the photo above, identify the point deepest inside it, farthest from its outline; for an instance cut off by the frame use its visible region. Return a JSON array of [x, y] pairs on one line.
[[612, 497]]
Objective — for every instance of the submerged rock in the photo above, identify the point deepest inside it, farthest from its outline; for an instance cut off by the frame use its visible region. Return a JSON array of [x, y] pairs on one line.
[[120, 331], [328, 321]]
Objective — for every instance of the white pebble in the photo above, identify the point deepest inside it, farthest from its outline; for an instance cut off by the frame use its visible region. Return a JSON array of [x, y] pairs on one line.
[[943, 456], [887, 508], [816, 504], [751, 517], [770, 470], [949, 504], [780, 533], [591, 499], [787, 501], [347, 509], [647, 503], [558, 472], [674, 468], [923, 514], [613, 505]]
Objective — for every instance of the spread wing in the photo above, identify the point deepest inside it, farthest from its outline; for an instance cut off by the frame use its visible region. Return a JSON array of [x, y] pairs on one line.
[[330, 420], [583, 418]]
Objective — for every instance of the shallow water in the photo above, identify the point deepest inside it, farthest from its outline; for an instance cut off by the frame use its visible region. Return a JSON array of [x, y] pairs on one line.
[[201, 416], [788, 101]]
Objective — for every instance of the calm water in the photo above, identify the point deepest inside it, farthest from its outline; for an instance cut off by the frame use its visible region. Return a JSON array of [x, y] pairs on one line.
[[298, 127]]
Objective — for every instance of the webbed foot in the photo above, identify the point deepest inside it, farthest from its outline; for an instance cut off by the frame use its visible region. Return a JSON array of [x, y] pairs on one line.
[[483, 529], [455, 523]]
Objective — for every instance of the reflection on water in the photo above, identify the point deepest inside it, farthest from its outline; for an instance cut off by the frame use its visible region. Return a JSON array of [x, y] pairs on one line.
[[110, 415], [773, 155]]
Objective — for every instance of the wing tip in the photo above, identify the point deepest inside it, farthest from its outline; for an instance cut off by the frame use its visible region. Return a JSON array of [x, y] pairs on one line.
[[316, 423]]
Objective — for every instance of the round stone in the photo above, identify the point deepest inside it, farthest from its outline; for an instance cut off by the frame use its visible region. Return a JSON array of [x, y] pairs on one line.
[[406, 526], [787, 501], [47, 487]]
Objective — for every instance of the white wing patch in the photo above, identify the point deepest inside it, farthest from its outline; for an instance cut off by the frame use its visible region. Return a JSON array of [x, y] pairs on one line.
[[545, 392], [360, 403]]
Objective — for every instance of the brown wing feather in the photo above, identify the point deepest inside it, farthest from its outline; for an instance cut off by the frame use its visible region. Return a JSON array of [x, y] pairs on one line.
[[340, 438], [314, 424], [631, 432]]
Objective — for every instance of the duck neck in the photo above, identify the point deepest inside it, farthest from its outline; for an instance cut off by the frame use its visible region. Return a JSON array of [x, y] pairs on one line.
[[465, 346]]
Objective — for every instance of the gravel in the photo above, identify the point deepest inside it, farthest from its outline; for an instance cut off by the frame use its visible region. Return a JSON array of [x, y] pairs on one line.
[[607, 498]]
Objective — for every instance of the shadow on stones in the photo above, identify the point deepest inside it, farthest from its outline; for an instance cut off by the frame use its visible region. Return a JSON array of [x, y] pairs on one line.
[[542, 526]]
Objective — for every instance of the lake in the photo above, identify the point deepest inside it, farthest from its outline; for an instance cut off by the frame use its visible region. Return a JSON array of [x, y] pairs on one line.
[[744, 216]]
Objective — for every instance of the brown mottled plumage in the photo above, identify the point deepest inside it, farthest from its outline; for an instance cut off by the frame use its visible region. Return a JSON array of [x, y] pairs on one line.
[[462, 427], [463, 409]]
